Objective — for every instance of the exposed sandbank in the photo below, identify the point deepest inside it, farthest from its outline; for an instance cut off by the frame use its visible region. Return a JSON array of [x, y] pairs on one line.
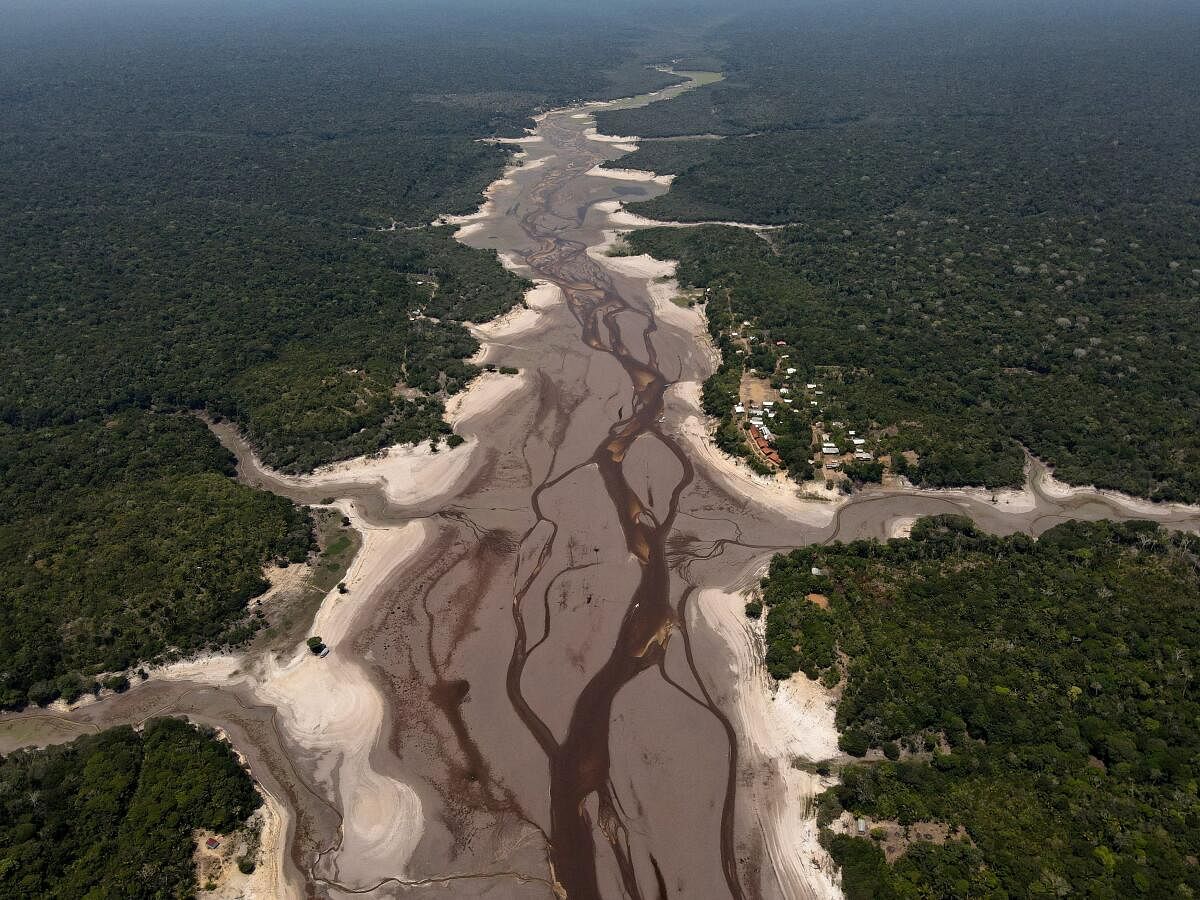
[[332, 708], [621, 216], [405, 473], [1042, 479], [661, 287], [777, 492], [592, 135], [470, 223], [484, 394], [779, 724], [267, 879], [630, 174], [1043, 490], [526, 319]]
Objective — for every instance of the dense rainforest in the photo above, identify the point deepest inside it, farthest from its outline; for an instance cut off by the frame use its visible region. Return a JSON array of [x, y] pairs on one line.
[[113, 815], [201, 218], [987, 227], [123, 540], [1036, 693], [229, 210]]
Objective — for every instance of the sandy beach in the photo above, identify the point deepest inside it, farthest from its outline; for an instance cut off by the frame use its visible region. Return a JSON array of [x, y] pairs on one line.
[[658, 278], [268, 878], [621, 217], [333, 708], [487, 392], [778, 492], [405, 473]]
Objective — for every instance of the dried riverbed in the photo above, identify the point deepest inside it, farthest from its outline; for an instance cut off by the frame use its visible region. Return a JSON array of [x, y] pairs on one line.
[[541, 684]]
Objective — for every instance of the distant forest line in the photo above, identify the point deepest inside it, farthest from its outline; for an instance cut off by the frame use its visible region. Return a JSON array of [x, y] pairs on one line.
[[990, 228]]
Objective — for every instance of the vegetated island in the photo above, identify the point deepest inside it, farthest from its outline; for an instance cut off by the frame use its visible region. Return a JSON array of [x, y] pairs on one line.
[[1023, 709]]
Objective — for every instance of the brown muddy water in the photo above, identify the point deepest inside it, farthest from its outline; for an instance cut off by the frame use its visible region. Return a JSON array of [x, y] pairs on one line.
[[559, 712]]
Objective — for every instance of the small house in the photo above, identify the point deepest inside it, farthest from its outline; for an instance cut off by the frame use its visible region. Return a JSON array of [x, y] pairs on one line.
[[212, 843]]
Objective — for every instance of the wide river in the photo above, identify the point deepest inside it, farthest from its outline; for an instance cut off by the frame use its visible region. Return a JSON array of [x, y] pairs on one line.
[[556, 715]]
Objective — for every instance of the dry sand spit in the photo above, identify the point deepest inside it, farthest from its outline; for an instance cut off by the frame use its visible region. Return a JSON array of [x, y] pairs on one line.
[[333, 709]]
